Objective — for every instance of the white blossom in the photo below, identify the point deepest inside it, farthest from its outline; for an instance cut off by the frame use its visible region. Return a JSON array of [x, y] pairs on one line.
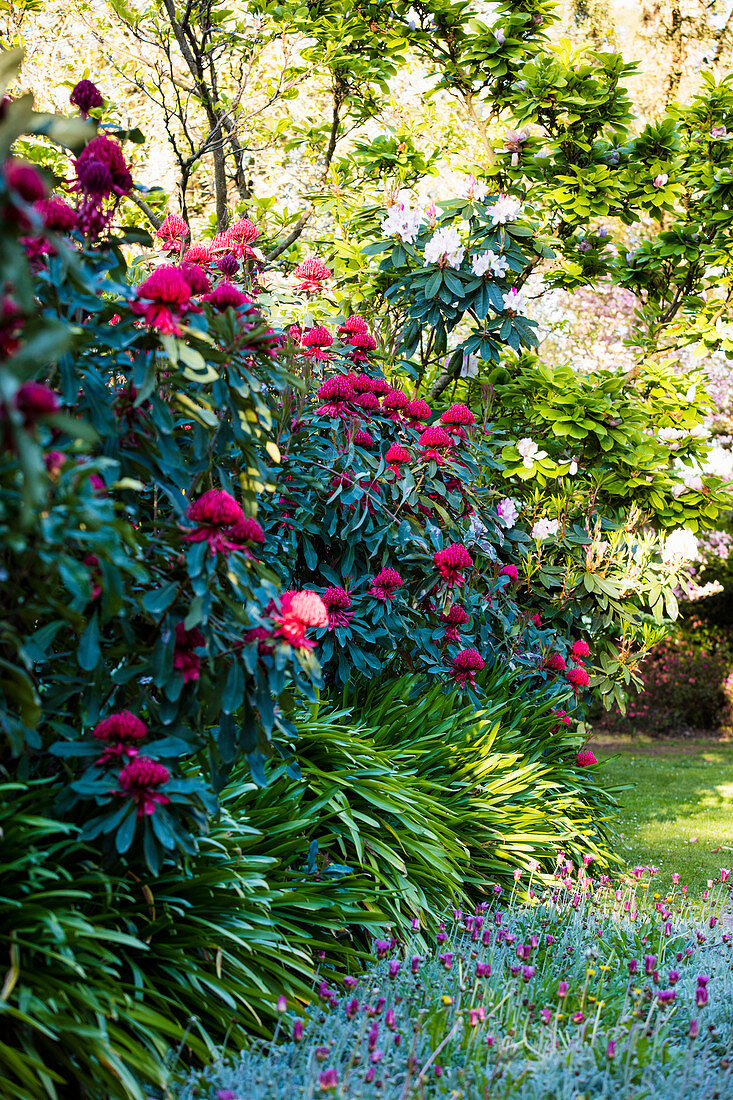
[[476, 190], [660, 180], [469, 366], [544, 528], [505, 209], [530, 452], [514, 300], [445, 248], [402, 221], [680, 546], [489, 261], [507, 512]]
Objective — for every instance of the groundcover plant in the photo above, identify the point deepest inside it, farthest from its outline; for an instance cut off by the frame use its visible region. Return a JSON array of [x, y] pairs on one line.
[[595, 989]]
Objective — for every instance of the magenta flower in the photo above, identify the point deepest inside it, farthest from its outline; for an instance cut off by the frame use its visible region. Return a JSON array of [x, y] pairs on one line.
[[185, 659], [299, 611], [545, 1015], [465, 666], [328, 1080], [122, 733], [446, 959], [163, 299], [562, 989], [451, 560], [385, 584], [216, 512], [586, 758], [394, 967], [577, 678], [312, 273], [611, 1049], [298, 1030], [139, 781], [171, 233]]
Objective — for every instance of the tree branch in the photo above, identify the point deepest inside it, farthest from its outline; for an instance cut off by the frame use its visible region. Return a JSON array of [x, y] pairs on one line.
[[292, 237]]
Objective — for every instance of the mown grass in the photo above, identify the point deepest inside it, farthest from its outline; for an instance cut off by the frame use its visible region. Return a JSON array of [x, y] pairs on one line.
[[678, 813]]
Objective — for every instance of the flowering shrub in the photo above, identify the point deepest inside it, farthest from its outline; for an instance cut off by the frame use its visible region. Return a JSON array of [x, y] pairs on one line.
[[133, 424]]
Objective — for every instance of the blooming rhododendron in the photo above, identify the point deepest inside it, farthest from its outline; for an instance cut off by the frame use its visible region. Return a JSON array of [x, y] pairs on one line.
[[451, 560], [489, 262], [508, 512], [680, 546], [513, 301], [530, 452], [544, 528], [385, 584], [505, 209], [444, 248], [139, 781], [402, 221]]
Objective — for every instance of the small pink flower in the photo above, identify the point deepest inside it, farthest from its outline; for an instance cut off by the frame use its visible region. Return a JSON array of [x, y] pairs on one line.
[[385, 584]]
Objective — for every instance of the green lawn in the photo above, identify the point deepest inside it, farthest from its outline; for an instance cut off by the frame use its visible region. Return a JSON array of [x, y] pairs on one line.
[[679, 814]]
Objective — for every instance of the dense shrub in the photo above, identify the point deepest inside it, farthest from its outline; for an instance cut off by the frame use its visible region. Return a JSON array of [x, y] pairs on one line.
[[687, 687]]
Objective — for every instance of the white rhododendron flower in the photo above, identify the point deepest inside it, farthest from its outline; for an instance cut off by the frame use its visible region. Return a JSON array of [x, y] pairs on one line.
[[514, 300], [544, 528], [680, 546], [476, 190], [507, 512], [402, 221], [489, 261], [530, 452], [445, 248], [506, 209]]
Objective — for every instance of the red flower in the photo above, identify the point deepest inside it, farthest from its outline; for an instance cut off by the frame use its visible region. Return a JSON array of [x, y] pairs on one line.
[[34, 401], [577, 677], [536, 620], [337, 392], [397, 456], [101, 169], [198, 254], [451, 560], [299, 611], [433, 441], [511, 572], [362, 343], [555, 662], [380, 386], [171, 232], [225, 295], [315, 339], [221, 244], [122, 732], [312, 274], [195, 276], [585, 758], [363, 439], [216, 513], [247, 529], [353, 325], [579, 651], [53, 461], [393, 401], [338, 602], [458, 416], [243, 231], [563, 719], [457, 615], [163, 298], [416, 410], [184, 658], [367, 401], [362, 383], [139, 781], [465, 666], [86, 96], [57, 215], [385, 584], [25, 180]]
